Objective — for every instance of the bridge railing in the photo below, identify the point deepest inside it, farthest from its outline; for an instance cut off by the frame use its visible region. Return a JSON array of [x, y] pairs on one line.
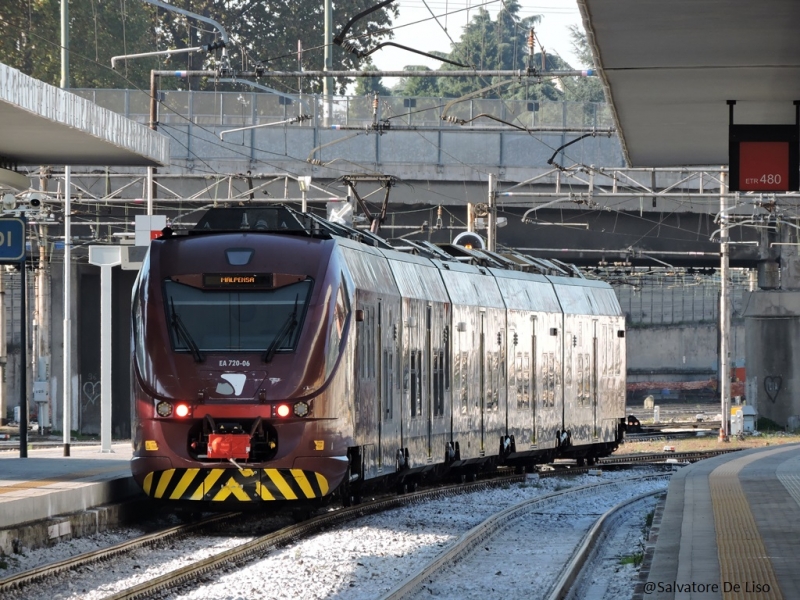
[[254, 108]]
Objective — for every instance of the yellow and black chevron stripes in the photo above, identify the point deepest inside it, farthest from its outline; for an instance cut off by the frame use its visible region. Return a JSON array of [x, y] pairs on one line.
[[235, 485]]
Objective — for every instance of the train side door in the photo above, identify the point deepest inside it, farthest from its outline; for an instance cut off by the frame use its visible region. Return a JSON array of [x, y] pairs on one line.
[[430, 367], [366, 401], [380, 383], [533, 381], [482, 377], [389, 373], [594, 382]]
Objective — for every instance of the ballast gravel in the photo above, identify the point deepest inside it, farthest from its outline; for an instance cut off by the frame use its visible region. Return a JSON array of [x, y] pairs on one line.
[[364, 559]]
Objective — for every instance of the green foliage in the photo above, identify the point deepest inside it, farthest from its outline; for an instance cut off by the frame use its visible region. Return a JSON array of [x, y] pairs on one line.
[[261, 33], [31, 33], [370, 85], [764, 425], [501, 44], [648, 522], [634, 559]]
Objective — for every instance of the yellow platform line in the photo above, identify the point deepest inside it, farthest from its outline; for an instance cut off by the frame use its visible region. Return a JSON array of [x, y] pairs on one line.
[[742, 555]]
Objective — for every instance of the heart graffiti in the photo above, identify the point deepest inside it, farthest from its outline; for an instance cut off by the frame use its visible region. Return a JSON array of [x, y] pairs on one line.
[[772, 385]]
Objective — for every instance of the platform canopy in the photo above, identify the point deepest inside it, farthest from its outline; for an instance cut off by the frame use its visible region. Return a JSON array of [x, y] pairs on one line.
[[41, 124], [670, 67]]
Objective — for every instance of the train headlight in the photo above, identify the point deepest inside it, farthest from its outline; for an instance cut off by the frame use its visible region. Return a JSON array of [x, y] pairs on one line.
[[164, 409], [301, 409], [182, 410], [282, 410]]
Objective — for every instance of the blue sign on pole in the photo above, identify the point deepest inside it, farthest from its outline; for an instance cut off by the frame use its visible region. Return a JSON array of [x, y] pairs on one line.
[[12, 240]]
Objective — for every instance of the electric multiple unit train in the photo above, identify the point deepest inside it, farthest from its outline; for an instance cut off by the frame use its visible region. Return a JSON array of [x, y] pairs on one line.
[[280, 357]]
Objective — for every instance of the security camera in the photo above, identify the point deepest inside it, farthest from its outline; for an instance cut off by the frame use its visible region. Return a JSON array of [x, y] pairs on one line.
[[35, 200], [9, 201]]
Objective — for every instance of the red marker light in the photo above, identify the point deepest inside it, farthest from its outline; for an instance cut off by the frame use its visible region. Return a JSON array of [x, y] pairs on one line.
[[182, 410], [283, 410]]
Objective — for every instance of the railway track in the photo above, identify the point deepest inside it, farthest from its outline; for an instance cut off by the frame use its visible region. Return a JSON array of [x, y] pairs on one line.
[[567, 586], [657, 458], [256, 548], [234, 556], [476, 536], [31, 576]]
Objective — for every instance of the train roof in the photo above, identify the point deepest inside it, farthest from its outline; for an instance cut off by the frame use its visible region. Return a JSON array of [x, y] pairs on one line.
[[279, 218]]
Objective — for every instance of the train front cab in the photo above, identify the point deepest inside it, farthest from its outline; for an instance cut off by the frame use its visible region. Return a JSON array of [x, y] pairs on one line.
[[296, 455]]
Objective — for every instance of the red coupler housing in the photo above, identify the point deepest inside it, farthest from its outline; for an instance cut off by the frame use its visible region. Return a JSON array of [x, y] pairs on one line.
[[228, 445]]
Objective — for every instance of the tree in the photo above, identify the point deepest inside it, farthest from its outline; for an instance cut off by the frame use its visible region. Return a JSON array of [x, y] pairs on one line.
[[417, 86], [31, 34], [587, 89], [370, 85], [262, 34], [266, 34], [487, 44]]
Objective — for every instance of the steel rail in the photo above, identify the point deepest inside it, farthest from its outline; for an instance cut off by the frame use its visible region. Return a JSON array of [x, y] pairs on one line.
[[570, 579], [652, 457], [255, 548], [467, 542], [94, 556]]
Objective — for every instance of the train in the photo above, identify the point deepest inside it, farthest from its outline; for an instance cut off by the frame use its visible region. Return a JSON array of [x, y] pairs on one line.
[[280, 357]]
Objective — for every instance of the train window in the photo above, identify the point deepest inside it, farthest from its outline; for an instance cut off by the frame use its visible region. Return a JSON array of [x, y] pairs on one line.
[[388, 383], [373, 341], [568, 367], [238, 321], [138, 332], [464, 381], [522, 380], [447, 359], [438, 383], [415, 396], [587, 379]]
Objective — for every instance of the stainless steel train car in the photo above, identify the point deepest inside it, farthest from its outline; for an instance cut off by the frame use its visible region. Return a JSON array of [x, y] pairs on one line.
[[281, 357]]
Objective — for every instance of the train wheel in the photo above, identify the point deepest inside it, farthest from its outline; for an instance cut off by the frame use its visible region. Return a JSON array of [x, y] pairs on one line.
[[402, 488], [581, 462], [591, 460]]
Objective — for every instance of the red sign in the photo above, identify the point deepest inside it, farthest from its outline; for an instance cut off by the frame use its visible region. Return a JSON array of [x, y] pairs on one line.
[[763, 166]]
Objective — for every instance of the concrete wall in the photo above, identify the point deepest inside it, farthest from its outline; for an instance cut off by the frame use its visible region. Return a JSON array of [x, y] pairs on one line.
[[773, 354]]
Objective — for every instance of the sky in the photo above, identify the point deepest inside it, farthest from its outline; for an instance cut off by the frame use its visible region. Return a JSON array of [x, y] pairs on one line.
[[552, 32]]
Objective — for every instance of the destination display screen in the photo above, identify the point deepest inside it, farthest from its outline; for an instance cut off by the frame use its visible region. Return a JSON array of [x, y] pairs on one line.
[[237, 280]]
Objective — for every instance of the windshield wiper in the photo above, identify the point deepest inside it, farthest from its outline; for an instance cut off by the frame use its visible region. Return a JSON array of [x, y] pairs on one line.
[[183, 333], [287, 328]]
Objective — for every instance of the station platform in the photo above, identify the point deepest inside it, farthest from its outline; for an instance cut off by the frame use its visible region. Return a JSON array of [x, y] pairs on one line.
[[47, 484], [730, 529]]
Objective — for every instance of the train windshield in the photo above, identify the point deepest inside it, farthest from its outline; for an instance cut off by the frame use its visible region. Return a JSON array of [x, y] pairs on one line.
[[264, 321]]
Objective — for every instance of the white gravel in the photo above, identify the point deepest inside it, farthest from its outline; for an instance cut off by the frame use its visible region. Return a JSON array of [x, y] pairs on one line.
[[364, 559], [607, 578]]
